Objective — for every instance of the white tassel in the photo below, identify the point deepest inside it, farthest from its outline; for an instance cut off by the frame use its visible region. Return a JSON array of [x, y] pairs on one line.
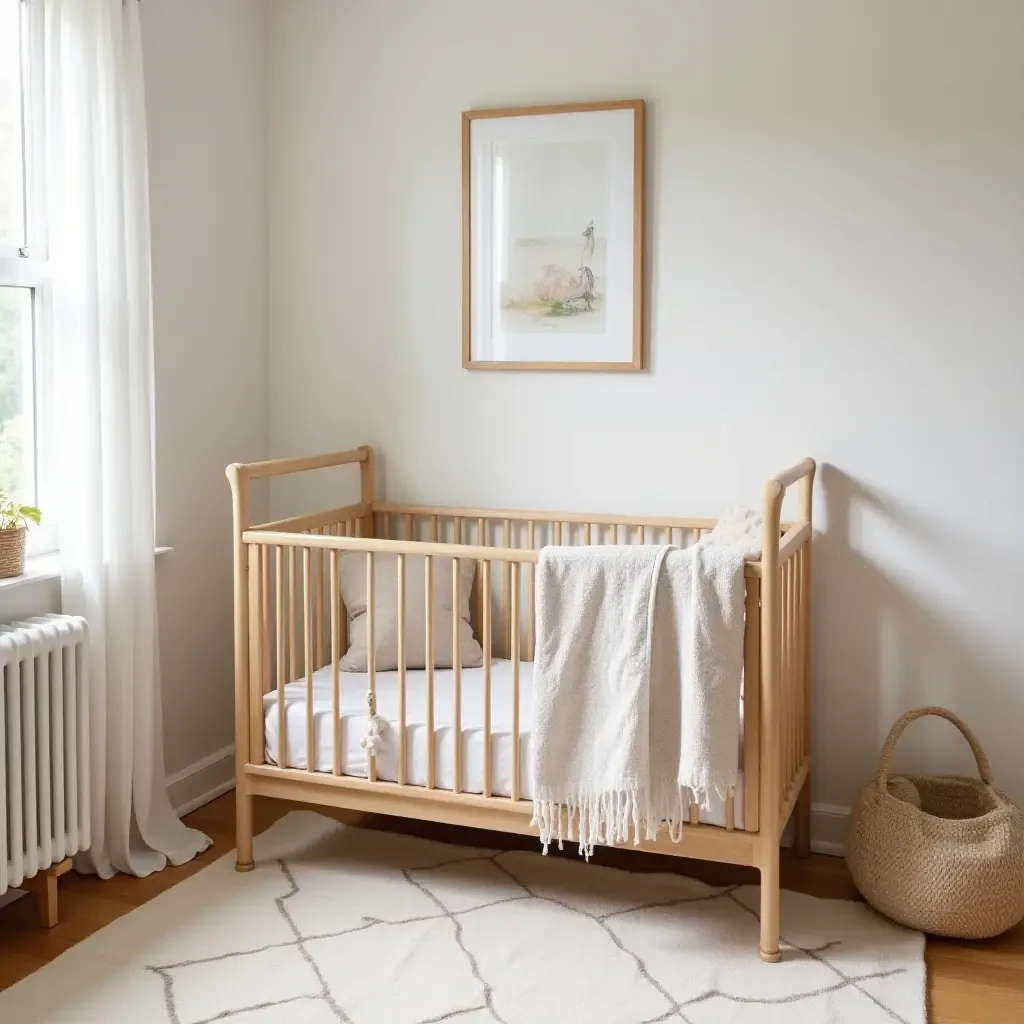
[[376, 726]]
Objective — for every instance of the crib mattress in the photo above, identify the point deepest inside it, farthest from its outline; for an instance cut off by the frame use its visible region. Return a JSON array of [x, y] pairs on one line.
[[352, 699]]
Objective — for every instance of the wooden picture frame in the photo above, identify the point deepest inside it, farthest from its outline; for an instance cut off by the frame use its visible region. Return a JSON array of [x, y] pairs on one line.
[[522, 298]]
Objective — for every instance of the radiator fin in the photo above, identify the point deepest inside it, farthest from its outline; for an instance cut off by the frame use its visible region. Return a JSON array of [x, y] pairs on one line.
[[44, 745]]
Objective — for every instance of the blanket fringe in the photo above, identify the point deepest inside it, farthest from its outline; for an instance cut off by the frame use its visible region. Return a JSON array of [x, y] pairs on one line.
[[608, 818], [600, 818]]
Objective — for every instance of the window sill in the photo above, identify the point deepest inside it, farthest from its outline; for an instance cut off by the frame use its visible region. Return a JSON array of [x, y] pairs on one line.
[[41, 569]]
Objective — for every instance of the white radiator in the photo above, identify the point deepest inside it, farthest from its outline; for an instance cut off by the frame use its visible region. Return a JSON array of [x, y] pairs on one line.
[[44, 745]]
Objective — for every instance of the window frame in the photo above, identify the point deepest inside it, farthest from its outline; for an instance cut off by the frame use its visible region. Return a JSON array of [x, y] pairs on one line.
[[28, 266]]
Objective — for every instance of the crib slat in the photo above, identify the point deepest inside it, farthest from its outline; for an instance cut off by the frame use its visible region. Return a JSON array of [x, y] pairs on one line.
[[268, 667], [308, 646], [457, 529], [282, 734], [292, 646], [694, 814], [486, 629], [481, 540], [343, 531], [335, 674], [803, 652], [730, 813], [371, 648], [457, 670], [514, 646], [586, 533], [318, 589], [558, 534], [256, 664], [401, 670], [506, 589], [531, 583], [791, 667], [796, 663], [795, 716], [784, 694], [428, 575], [795, 660], [640, 535], [783, 682], [752, 707], [387, 525], [433, 529], [408, 526], [798, 691]]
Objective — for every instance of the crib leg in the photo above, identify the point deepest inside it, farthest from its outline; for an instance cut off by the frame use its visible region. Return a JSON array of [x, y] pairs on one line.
[[243, 829], [802, 821], [769, 950]]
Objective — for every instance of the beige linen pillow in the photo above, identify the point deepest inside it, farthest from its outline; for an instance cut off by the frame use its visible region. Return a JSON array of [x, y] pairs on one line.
[[385, 624]]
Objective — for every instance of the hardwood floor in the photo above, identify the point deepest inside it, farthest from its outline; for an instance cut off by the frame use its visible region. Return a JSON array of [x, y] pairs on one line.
[[968, 983]]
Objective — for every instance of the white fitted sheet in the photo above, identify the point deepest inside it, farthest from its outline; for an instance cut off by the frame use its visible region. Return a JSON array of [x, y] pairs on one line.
[[353, 687]]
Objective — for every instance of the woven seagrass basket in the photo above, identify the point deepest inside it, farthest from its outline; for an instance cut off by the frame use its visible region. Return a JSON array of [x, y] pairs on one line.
[[12, 552], [940, 853]]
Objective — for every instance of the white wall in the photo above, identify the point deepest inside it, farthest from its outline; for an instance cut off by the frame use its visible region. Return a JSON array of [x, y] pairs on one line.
[[836, 258], [205, 76]]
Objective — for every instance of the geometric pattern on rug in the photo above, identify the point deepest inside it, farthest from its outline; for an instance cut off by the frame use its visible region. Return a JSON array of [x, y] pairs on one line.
[[374, 927]]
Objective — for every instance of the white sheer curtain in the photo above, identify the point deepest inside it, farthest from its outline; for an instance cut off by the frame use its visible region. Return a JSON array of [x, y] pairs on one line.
[[97, 178]]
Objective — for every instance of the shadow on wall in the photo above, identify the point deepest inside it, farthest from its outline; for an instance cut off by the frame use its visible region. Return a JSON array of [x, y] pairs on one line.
[[883, 644]]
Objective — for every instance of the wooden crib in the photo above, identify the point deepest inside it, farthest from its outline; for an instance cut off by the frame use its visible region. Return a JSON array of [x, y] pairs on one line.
[[290, 622]]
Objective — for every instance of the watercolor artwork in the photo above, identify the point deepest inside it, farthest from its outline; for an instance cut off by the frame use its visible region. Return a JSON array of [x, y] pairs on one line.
[[555, 198]]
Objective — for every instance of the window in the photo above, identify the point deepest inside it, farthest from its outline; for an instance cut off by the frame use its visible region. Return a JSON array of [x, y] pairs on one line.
[[23, 260]]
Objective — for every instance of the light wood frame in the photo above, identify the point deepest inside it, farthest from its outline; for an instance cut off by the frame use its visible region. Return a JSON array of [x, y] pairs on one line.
[[280, 621], [637, 361]]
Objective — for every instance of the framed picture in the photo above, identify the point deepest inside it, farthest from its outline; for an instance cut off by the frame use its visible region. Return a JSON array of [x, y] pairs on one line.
[[553, 237]]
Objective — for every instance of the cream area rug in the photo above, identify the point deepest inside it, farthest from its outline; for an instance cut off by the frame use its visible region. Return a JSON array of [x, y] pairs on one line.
[[356, 926]]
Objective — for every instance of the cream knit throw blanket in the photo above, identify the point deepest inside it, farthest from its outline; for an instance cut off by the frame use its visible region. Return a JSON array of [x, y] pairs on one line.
[[636, 686]]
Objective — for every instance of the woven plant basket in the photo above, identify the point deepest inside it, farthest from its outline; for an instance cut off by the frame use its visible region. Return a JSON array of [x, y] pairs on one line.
[[12, 552], [940, 853]]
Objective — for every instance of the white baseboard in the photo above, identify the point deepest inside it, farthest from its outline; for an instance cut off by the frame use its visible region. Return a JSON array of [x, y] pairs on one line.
[[829, 823], [203, 781], [828, 829]]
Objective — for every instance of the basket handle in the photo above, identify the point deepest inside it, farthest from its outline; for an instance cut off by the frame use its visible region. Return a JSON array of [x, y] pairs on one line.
[[901, 723]]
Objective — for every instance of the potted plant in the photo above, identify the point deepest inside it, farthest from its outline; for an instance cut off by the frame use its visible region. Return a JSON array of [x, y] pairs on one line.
[[14, 520]]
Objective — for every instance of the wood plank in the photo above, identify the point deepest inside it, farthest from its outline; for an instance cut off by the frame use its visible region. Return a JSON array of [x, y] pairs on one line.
[[284, 467], [499, 813], [257, 557], [752, 708], [382, 546], [523, 516], [296, 524], [44, 886]]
